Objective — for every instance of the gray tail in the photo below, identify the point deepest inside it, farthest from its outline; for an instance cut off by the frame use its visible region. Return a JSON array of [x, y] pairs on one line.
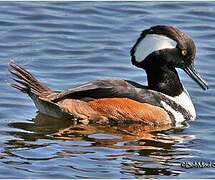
[[26, 82]]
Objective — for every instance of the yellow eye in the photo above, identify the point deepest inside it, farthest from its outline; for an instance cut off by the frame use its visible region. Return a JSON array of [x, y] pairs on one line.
[[184, 52]]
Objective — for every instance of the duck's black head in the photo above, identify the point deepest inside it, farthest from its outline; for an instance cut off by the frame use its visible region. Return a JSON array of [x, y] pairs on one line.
[[159, 50]]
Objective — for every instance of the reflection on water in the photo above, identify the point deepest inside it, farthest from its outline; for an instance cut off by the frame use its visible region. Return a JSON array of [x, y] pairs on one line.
[[138, 152]]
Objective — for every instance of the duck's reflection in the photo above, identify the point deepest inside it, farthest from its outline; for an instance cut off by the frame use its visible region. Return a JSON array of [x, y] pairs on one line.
[[145, 152]]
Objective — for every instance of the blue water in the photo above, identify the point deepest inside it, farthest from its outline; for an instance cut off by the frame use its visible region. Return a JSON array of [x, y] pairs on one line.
[[65, 44]]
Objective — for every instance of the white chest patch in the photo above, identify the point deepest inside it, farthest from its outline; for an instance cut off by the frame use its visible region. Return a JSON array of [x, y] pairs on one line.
[[183, 100], [151, 43], [179, 118]]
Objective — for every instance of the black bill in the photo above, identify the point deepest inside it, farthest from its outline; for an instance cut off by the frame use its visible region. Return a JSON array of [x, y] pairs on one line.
[[190, 70]]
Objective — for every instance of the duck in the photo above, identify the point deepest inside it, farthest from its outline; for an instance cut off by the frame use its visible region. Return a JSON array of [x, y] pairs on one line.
[[159, 50]]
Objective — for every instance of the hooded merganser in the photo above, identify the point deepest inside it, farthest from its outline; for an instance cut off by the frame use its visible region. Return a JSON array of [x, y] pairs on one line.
[[159, 51]]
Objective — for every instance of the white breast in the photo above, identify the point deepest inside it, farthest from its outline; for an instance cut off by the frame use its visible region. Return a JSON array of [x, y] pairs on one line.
[[185, 101], [151, 43], [178, 117]]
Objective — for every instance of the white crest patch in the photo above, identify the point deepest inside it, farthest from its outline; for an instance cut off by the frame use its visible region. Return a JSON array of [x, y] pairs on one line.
[[151, 43]]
